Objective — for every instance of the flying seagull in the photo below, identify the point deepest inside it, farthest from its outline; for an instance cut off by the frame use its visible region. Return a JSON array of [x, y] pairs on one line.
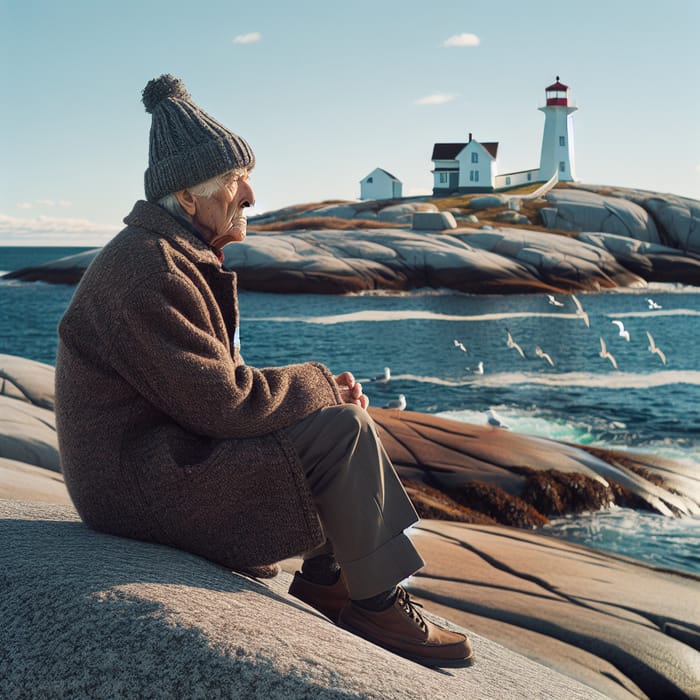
[[654, 348], [479, 368], [459, 345], [494, 420], [399, 404], [606, 355], [541, 353], [623, 333], [512, 344], [580, 312], [653, 304], [553, 301]]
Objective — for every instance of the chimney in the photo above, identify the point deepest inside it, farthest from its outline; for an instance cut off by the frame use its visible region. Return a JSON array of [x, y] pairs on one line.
[[470, 137]]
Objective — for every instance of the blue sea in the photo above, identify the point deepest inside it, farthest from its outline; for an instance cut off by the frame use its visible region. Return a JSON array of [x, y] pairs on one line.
[[644, 404]]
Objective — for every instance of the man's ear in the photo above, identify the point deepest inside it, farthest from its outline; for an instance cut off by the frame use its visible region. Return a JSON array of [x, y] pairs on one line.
[[187, 201]]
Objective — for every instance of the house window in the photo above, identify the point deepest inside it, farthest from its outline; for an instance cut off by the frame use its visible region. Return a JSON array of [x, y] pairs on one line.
[[562, 140], [370, 179], [443, 177], [508, 180], [475, 157], [562, 166], [529, 177], [474, 175]]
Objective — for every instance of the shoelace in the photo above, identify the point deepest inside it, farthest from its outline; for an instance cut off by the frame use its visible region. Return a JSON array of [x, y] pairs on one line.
[[409, 607]]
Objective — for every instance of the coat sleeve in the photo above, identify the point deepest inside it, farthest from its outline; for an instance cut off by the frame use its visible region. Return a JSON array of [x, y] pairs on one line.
[[166, 348]]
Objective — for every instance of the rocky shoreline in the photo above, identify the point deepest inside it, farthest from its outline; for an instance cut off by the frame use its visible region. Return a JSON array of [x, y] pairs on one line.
[[550, 619], [575, 238]]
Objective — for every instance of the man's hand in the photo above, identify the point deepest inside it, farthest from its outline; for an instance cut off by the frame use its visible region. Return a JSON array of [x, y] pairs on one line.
[[350, 390]]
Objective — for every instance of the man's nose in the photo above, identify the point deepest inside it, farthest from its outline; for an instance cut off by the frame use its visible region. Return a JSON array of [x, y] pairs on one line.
[[248, 195]]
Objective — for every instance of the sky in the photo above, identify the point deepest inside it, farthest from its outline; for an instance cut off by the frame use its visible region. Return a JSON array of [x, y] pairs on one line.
[[325, 91]]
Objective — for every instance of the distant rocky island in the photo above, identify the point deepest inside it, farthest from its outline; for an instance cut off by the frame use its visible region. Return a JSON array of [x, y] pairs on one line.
[[574, 238]]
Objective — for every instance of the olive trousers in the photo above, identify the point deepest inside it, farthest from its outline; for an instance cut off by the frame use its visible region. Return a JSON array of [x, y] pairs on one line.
[[362, 505]]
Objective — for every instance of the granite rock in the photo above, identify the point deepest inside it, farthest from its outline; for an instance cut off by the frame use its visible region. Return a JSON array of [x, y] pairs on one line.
[[111, 617], [433, 221], [580, 210], [402, 213]]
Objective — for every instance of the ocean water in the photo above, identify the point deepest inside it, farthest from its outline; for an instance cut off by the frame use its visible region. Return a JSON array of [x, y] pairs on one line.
[[644, 404]]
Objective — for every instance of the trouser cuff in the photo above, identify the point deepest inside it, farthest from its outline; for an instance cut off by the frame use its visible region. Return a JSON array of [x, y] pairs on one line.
[[379, 571]]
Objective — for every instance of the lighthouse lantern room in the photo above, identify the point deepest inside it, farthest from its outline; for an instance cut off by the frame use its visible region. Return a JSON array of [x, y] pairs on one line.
[[557, 153]]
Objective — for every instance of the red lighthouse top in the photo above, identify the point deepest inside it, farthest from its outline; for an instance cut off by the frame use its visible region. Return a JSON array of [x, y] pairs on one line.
[[557, 94]]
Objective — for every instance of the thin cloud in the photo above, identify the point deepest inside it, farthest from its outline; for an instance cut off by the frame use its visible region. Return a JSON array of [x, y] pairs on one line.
[[54, 231], [44, 203], [439, 98], [251, 38], [461, 40]]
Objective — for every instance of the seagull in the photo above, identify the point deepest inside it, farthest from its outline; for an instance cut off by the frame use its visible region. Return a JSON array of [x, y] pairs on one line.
[[654, 348], [606, 355], [553, 301], [623, 333], [399, 404], [541, 353], [459, 345], [512, 344], [479, 368], [382, 377], [653, 304], [580, 312], [494, 420]]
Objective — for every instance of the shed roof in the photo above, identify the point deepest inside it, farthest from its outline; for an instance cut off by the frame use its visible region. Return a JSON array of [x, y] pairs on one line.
[[386, 172], [393, 177]]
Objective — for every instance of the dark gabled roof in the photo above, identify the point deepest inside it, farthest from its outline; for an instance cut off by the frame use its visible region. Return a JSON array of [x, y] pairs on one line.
[[446, 151], [491, 147], [449, 151]]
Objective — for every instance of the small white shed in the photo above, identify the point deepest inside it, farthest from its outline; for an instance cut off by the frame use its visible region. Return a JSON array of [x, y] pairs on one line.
[[380, 184]]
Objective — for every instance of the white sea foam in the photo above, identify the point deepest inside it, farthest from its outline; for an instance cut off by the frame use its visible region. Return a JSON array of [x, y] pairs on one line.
[[420, 315], [661, 541], [606, 380], [408, 315], [592, 430], [655, 313]]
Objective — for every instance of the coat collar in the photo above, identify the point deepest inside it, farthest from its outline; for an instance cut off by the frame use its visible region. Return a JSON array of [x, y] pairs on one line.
[[154, 218]]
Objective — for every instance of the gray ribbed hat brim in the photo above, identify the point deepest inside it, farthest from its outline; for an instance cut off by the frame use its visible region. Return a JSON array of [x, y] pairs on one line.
[[197, 165]]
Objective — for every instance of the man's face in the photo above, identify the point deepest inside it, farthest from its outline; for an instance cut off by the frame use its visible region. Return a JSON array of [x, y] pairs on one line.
[[221, 217]]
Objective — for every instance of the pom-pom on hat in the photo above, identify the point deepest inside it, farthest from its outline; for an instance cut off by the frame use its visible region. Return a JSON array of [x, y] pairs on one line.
[[187, 146]]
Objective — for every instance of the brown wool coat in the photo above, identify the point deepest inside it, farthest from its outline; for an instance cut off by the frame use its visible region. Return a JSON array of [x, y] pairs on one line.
[[165, 434]]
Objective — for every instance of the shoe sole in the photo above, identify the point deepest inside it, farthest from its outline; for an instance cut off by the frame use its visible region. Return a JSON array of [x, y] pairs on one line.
[[422, 660]]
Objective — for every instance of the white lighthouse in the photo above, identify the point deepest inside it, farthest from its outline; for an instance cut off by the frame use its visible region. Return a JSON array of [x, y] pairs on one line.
[[557, 153]]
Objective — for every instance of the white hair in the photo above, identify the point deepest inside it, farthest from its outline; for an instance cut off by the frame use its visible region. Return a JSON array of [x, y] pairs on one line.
[[207, 188]]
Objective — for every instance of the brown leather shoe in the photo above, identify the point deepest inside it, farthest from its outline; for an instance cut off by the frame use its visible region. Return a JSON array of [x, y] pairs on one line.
[[329, 600], [403, 630]]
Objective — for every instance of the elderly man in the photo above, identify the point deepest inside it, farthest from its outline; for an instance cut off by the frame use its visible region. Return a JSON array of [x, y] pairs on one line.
[[167, 436]]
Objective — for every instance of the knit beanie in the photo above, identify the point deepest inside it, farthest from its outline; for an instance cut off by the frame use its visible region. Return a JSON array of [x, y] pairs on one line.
[[187, 146]]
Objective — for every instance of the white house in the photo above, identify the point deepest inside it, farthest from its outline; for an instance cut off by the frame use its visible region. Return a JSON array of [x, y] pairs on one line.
[[461, 167], [472, 166], [380, 184]]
